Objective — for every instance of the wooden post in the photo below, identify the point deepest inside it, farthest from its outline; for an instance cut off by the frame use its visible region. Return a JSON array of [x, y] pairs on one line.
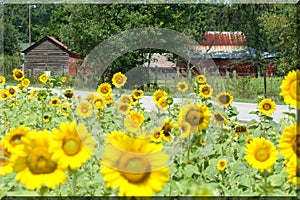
[[265, 85], [156, 73], [234, 78], [227, 80]]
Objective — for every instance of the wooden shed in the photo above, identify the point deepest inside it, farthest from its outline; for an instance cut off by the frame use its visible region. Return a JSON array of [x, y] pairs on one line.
[[49, 54]]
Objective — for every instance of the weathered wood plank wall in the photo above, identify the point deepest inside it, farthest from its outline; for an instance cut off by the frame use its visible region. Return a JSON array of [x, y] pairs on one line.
[[46, 56]]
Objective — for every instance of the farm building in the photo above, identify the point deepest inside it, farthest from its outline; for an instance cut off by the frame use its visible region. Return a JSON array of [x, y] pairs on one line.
[[49, 54], [224, 51], [161, 68]]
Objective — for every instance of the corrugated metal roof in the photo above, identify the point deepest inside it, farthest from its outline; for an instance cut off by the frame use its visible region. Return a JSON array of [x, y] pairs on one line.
[[222, 45], [223, 38]]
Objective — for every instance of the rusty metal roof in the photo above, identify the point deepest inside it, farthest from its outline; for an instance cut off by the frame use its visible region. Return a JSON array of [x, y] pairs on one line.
[[222, 45]]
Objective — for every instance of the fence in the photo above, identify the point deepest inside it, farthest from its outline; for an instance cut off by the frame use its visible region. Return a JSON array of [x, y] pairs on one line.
[[242, 88]]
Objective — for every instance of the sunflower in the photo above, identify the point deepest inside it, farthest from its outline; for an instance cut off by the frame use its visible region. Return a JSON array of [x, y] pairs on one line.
[[20, 87], [169, 101], [266, 107], [13, 138], [46, 118], [133, 121], [109, 100], [289, 142], [182, 86], [221, 165], [98, 102], [18, 74], [205, 90], [63, 79], [138, 167], [224, 99], [74, 145], [290, 88], [90, 97], [5, 165], [137, 94], [2, 80], [162, 103], [119, 79], [167, 127], [25, 82], [201, 78], [261, 153], [4, 94], [126, 99], [69, 93], [241, 129], [202, 142], [293, 170], [44, 78], [104, 89], [198, 116], [219, 119], [158, 94], [34, 164], [124, 108], [156, 134], [54, 102], [84, 109], [185, 130], [249, 139], [12, 91], [33, 93]]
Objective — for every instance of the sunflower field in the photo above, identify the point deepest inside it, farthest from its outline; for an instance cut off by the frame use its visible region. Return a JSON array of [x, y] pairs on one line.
[[108, 144]]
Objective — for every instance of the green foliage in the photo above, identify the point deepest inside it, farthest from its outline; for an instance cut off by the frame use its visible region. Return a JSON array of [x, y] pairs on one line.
[[280, 26]]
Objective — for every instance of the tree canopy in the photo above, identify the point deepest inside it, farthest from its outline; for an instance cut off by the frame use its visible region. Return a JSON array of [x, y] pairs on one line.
[[268, 28]]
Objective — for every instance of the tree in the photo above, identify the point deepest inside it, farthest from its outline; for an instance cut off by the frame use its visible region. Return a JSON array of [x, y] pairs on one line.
[[280, 26]]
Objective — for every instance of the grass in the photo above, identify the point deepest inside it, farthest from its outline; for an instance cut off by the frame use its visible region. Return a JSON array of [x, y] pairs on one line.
[[244, 89]]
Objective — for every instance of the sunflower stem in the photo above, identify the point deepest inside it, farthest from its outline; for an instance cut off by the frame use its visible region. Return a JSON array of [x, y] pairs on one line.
[[43, 114], [74, 181], [42, 190], [265, 182]]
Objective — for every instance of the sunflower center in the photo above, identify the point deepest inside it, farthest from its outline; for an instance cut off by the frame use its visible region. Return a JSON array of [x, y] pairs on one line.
[[182, 86], [3, 95], [224, 99], [136, 170], [54, 102], [296, 145], [39, 161], [262, 155], [124, 108], [18, 74], [119, 80], [104, 90], [294, 90], [167, 129], [84, 109], [219, 117], [156, 135], [267, 106], [71, 147], [206, 90], [194, 117], [11, 91], [16, 139], [222, 164]]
